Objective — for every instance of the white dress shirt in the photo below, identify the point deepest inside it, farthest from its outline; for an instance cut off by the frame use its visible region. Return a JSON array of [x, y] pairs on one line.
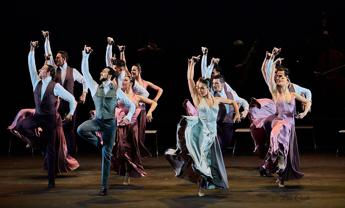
[[93, 86], [76, 74], [58, 89]]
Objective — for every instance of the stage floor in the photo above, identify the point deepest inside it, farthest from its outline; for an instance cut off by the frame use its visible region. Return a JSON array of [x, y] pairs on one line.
[[23, 184]]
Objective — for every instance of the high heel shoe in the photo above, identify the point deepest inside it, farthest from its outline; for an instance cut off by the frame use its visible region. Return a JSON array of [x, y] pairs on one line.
[[280, 183], [264, 172], [200, 190], [126, 180]]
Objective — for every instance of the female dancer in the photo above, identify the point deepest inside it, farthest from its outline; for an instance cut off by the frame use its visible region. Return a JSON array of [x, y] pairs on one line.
[[127, 158], [282, 157], [198, 156]]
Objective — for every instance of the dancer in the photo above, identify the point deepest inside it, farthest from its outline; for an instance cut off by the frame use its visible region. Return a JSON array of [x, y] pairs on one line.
[[66, 76], [198, 156], [120, 67], [127, 150], [261, 135], [65, 162], [212, 70], [282, 157], [46, 93], [105, 97]]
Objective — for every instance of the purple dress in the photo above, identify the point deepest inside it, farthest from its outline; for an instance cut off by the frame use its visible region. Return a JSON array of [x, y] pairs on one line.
[[126, 152], [65, 162], [282, 156]]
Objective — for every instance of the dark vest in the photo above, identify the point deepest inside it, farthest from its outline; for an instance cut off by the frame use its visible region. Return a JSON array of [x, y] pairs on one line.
[[105, 103], [69, 86], [224, 117], [46, 106]]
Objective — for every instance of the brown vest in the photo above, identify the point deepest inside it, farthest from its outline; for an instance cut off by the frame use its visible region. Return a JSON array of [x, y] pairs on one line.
[[69, 86], [46, 106]]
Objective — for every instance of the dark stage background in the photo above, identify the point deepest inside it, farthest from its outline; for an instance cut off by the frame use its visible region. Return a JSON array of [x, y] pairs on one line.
[[311, 36]]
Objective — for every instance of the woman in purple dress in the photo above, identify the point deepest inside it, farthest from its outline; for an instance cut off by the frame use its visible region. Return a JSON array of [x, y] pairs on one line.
[[282, 157]]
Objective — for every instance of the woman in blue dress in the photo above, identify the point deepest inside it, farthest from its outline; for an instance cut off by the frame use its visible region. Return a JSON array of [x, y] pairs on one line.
[[198, 157]]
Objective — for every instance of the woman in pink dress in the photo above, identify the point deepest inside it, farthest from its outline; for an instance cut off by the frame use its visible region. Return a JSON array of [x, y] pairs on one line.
[[126, 159], [282, 157]]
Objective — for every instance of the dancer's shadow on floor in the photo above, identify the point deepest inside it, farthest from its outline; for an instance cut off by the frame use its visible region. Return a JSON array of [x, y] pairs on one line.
[[287, 188], [193, 201], [126, 187]]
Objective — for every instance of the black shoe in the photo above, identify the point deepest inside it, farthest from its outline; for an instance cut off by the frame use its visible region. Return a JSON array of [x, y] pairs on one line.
[[265, 173], [103, 191], [51, 184]]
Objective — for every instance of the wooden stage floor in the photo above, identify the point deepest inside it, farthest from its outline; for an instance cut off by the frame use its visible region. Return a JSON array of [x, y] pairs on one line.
[[23, 184]]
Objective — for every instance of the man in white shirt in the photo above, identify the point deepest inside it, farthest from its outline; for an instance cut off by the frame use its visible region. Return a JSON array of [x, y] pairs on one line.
[[105, 97], [66, 76], [46, 93]]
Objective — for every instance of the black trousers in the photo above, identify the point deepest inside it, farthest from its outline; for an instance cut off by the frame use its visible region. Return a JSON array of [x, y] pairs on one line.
[[27, 127], [225, 132]]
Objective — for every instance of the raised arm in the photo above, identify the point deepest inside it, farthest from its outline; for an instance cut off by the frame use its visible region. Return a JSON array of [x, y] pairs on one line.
[[266, 67], [109, 52], [47, 49], [79, 78], [206, 71], [123, 57], [90, 83], [191, 83], [152, 104], [32, 64]]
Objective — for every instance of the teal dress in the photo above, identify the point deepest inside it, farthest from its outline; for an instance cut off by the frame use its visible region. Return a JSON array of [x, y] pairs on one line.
[[198, 152]]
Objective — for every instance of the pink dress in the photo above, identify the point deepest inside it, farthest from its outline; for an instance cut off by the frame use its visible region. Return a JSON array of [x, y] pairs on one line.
[[127, 149]]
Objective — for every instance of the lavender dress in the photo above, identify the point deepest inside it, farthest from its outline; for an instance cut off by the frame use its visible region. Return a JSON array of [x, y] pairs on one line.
[[279, 118]]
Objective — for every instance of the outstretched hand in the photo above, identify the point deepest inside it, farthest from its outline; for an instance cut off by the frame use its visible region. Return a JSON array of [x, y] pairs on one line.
[[195, 59], [87, 49], [204, 50], [237, 118], [244, 114], [110, 40], [45, 34], [149, 117], [34, 44], [68, 117], [278, 61], [276, 51], [301, 115]]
